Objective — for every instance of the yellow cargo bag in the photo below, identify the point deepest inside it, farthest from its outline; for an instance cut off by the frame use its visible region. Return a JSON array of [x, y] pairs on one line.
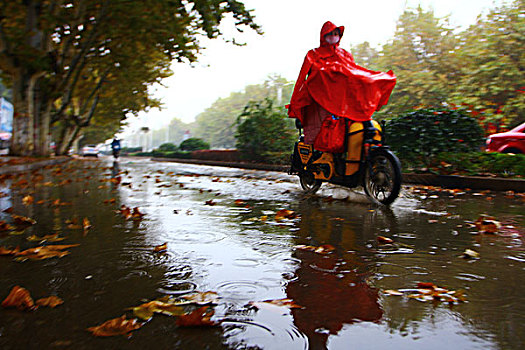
[[355, 144]]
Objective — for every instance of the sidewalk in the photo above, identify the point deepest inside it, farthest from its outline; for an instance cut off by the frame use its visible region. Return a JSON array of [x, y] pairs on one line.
[[10, 165], [447, 181]]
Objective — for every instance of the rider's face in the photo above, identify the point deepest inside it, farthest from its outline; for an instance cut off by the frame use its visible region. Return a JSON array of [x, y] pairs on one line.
[[333, 36]]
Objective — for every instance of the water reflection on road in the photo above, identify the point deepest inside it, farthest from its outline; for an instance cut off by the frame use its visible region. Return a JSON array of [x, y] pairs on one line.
[[223, 236]]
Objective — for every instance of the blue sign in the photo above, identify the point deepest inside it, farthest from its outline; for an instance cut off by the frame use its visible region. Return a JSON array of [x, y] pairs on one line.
[[6, 116]]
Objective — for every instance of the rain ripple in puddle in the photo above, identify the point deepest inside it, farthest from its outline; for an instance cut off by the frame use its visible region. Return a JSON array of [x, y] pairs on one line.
[[197, 237], [242, 291], [177, 287]]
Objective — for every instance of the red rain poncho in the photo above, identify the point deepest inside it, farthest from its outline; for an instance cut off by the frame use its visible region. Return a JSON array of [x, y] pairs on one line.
[[330, 77]]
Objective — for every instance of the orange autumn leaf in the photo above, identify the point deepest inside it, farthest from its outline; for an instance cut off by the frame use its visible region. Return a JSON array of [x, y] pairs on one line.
[[322, 249], [136, 214], [289, 303], [22, 220], [200, 317], [426, 285], [285, 214], [51, 301], [4, 226], [86, 225], [20, 298], [161, 248], [384, 240], [28, 200], [116, 326], [487, 224], [239, 202], [49, 238], [9, 251], [202, 298]]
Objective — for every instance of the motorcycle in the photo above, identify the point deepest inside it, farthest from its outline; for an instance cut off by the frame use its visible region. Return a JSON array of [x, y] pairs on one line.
[[116, 152], [365, 161]]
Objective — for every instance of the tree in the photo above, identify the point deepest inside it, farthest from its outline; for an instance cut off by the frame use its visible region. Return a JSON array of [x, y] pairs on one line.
[[63, 59], [423, 56], [193, 144], [493, 69], [264, 132], [218, 123]]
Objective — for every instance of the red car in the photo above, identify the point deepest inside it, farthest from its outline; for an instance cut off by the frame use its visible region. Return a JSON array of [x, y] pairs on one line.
[[512, 141]]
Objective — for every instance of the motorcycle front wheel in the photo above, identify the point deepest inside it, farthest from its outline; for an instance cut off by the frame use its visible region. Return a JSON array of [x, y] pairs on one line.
[[308, 182], [382, 178]]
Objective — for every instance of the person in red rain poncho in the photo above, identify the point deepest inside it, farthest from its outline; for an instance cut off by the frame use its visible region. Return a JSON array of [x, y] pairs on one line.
[[331, 83]]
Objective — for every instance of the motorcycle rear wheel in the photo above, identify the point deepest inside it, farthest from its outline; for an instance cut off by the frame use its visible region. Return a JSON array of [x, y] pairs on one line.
[[382, 178], [308, 182]]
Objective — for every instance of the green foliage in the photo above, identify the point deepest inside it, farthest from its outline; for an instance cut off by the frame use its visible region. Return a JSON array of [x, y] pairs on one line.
[[422, 134], [167, 147], [264, 132], [492, 73], [170, 154], [471, 164], [481, 67], [217, 124], [194, 144]]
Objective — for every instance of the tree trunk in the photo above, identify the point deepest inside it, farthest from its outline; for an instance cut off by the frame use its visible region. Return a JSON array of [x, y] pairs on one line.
[[22, 139]]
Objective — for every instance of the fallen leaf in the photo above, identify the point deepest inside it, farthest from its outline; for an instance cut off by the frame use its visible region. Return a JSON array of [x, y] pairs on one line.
[[202, 298], [4, 226], [145, 311], [384, 240], [20, 298], [51, 301], [116, 326], [161, 248], [22, 220], [322, 249], [239, 202], [285, 214], [288, 303], [392, 292], [8, 251], [200, 317], [470, 254], [48, 238], [86, 225], [28, 200], [426, 285], [210, 202], [487, 224]]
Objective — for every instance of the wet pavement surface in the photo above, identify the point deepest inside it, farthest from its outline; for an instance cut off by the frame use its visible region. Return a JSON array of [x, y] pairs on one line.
[[250, 236]]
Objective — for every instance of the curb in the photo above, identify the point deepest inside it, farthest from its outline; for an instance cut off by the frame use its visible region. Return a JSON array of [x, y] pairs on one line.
[[20, 168], [446, 181]]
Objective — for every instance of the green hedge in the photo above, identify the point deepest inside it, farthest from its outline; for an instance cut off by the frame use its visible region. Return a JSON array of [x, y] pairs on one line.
[[422, 134]]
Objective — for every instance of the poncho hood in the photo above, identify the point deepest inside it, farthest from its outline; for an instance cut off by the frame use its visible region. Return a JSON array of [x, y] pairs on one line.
[[330, 77]]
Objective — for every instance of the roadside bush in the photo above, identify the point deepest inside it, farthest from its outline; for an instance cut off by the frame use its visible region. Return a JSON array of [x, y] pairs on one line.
[[420, 135], [171, 154], [472, 164], [264, 133], [167, 147], [194, 144]]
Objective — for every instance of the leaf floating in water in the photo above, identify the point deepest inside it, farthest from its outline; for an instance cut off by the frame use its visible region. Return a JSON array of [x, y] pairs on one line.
[[116, 326], [86, 225], [9, 251], [51, 301], [28, 200], [285, 214], [4, 226], [137, 214], [428, 291], [202, 298], [322, 249], [198, 318], [20, 298], [470, 254], [49, 238], [22, 220], [145, 311], [288, 303], [384, 240], [487, 224], [210, 202], [44, 252], [161, 248]]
